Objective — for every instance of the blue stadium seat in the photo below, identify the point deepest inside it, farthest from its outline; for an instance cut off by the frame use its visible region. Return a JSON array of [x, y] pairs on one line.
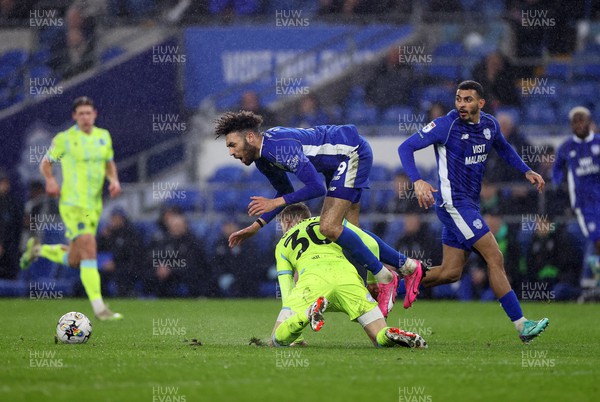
[[356, 96], [513, 111], [559, 70], [588, 71], [449, 49], [540, 112], [228, 174], [582, 91], [366, 201], [14, 57], [193, 201], [9, 75], [147, 229], [40, 56], [243, 198], [255, 177], [380, 173], [436, 94], [398, 114], [449, 72], [40, 71], [361, 114], [226, 200], [393, 231], [382, 197], [111, 53]]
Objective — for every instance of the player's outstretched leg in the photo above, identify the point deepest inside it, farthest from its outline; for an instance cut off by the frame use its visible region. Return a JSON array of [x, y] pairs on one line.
[[290, 330], [532, 329], [31, 253], [315, 313], [390, 336]]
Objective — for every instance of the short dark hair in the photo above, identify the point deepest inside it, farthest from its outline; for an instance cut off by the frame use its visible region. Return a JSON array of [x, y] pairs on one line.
[[299, 210], [243, 120], [83, 101], [474, 85]]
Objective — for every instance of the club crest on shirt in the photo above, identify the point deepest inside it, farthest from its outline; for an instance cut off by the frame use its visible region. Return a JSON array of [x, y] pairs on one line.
[[572, 154], [477, 224], [596, 149], [487, 133]]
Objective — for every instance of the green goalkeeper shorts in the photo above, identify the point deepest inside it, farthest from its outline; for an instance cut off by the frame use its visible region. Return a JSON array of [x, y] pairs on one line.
[[338, 282]]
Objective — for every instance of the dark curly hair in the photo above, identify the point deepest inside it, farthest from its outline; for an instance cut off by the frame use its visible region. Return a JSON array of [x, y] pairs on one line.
[[243, 120]]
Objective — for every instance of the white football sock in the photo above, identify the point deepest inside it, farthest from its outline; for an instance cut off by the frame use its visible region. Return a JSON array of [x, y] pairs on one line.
[[384, 276], [98, 305], [409, 267], [519, 323]]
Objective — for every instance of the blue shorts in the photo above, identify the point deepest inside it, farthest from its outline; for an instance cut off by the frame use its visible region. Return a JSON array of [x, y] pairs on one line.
[[463, 226], [352, 174], [589, 222]]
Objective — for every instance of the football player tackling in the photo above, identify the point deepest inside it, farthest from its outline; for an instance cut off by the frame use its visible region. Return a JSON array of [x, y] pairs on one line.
[[327, 280]]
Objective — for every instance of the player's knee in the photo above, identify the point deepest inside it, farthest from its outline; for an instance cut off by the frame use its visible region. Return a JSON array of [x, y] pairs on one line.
[[495, 260], [451, 274], [330, 230]]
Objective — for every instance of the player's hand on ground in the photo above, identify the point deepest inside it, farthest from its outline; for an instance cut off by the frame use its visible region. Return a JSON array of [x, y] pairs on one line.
[[261, 205], [424, 193], [52, 187], [114, 188], [237, 238], [535, 179]]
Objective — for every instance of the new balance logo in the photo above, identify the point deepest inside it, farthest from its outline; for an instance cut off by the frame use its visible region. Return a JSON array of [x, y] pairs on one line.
[[465, 137]]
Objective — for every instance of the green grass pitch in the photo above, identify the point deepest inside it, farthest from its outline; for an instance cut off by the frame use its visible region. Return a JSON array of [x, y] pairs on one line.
[[474, 355]]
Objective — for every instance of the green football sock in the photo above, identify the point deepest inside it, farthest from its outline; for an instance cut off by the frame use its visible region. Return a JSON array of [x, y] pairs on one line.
[[290, 330], [91, 279], [383, 340], [54, 252]]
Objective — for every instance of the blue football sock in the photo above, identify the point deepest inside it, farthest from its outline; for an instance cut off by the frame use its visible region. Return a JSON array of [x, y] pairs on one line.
[[387, 254], [511, 306], [351, 243]]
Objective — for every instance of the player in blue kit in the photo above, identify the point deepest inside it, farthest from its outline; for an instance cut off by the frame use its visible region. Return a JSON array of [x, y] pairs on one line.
[[580, 156], [339, 153], [462, 141]]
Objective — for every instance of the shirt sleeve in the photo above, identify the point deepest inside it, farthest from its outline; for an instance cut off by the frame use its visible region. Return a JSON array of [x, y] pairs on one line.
[[508, 153], [285, 273], [289, 154], [280, 182], [57, 149], [436, 132], [314, 185]]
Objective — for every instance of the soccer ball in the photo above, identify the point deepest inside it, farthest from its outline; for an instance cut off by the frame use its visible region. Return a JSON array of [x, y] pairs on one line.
[[73, 327]]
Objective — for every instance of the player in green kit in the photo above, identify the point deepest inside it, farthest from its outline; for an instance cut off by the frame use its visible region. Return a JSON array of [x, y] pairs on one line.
[[327, 280], [85, 154]]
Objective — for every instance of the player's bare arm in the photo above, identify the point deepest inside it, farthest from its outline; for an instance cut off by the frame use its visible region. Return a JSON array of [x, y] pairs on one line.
[[236, 238], [260, 205], [114, 186], [424, 192], [535, 179], [52, 187]]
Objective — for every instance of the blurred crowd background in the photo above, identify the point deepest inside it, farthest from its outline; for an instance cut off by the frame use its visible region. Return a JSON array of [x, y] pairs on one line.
[[161, 71]]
